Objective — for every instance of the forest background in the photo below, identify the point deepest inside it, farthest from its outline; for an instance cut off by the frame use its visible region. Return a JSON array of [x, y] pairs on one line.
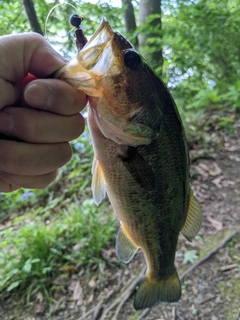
[[194, 46]]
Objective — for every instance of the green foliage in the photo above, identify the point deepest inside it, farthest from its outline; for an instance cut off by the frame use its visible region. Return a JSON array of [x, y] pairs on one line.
[[227, 123], [32, 254], [202, 48], [59, 31], [151, 48], [12, 18]]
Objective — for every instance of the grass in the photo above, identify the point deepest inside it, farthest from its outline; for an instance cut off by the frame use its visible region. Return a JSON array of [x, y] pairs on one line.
[[35, 252], [44, 230]]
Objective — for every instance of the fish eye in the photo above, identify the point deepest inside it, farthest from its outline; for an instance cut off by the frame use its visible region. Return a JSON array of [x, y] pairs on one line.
[[132, 59]]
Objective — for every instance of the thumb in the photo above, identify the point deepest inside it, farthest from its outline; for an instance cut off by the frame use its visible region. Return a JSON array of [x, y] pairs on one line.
[[22, 54]]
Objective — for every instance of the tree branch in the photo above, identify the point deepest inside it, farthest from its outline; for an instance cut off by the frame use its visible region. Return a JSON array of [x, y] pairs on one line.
[[129, 18], [32, 16]]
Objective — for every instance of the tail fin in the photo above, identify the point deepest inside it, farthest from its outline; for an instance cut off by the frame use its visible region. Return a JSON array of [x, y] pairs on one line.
[[152, 292]]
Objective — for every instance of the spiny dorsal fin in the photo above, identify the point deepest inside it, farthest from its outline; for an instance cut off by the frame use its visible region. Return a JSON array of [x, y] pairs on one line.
[[98, 182], [138, 167], [194, 218], [125, 248]]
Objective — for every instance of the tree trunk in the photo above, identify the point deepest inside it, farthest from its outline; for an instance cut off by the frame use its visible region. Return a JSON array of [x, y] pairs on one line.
[[129, 19], [147, 8], [32, 16]]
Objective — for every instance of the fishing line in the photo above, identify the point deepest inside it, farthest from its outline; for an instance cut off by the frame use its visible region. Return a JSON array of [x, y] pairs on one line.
[[48, 15]]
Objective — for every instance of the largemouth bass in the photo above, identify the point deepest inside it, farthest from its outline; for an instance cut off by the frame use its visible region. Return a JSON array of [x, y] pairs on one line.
[[141, 158]]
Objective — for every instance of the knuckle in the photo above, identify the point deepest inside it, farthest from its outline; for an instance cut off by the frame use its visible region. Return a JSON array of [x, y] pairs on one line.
[[35, 37]]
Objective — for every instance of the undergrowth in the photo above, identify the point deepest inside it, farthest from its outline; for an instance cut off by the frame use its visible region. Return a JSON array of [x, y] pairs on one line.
[[35, 252]]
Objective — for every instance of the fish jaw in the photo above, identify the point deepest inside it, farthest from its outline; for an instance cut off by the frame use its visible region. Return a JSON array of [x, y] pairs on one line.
[[100, 54]]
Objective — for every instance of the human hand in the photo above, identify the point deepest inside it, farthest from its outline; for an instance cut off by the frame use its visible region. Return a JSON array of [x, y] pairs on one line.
[[37, 118]]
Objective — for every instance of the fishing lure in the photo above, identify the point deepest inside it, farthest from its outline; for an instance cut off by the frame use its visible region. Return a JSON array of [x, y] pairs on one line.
[[76, 21]]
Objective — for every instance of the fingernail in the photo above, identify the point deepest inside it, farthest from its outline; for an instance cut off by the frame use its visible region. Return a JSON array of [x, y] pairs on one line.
[[6, 123], [38, 95]]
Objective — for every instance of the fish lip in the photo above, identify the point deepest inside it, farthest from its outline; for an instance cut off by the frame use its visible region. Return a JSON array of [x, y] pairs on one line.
[[104, 24], [110, 35], [96, 39]]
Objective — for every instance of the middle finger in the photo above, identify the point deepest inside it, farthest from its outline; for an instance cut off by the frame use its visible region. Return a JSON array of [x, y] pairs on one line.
[[36, 126]]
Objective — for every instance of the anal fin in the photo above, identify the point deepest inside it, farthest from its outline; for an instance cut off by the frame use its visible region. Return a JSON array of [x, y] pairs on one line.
[[125, 248], [194, 218]]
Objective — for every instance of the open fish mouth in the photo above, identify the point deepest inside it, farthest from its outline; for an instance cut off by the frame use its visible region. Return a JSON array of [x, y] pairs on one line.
[[102, 47], [102, 51], [94, 52], [94, 58]]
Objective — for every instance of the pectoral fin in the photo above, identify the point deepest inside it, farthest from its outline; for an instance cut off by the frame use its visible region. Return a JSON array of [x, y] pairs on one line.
[[194, 218], [125, 248], [98, 182], [139, 169]]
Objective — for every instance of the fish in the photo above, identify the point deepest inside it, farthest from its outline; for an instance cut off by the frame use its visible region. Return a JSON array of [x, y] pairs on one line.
[[141, 158]]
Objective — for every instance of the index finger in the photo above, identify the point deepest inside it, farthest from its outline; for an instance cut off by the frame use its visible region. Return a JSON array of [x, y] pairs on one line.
[[54, 95]]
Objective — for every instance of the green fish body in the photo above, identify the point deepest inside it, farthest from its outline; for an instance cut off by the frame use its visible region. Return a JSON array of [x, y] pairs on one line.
[[141, 158]]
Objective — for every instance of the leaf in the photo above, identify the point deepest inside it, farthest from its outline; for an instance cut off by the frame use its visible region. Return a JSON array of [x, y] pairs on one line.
[[189, 256], [27, 266], [13, 285], [35, 260], [11, 273], [78, 293]]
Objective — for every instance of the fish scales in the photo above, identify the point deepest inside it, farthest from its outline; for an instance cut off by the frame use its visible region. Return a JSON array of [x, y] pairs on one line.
[[140, 158]]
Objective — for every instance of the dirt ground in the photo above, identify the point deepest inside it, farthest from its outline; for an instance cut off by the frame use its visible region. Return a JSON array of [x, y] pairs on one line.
[[211, 291]]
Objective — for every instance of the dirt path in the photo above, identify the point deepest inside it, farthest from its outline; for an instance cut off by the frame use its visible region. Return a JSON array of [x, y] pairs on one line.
[[210, 292]]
